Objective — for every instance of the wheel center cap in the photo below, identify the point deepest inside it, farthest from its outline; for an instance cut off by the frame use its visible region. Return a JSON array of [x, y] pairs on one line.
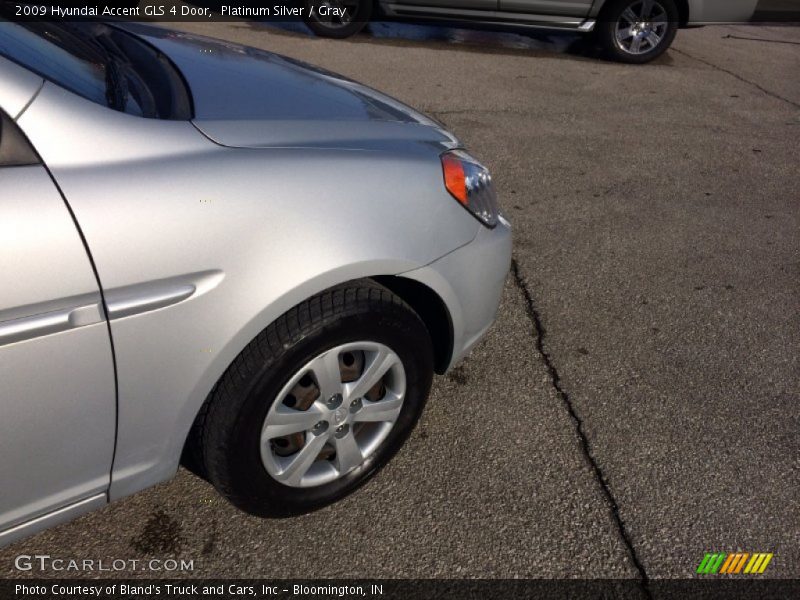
[[339, 415]]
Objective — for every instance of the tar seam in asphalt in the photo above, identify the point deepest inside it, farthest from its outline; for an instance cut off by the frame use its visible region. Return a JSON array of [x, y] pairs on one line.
[[737, 76], [555, 381], [752, 39]]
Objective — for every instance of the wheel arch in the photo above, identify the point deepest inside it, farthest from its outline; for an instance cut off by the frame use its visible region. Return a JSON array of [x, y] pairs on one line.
[[600, 6], [428, 305], [431, 309], [683, 12]]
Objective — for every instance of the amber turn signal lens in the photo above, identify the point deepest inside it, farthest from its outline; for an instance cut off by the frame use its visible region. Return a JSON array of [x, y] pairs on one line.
[[469, 182], [454, 178]]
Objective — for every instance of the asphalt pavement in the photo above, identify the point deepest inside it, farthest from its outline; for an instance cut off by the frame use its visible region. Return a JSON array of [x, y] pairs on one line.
[[635, 406]]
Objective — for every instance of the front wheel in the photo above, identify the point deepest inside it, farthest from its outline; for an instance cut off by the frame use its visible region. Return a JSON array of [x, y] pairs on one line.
[[337, 18], [317, 403], [637, 31]]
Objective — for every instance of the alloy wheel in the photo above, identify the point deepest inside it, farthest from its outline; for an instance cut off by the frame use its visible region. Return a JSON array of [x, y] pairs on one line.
[[641, 27], [334, 21]]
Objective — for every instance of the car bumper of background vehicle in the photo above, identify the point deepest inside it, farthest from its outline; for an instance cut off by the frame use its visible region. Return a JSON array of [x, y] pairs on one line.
[[470, 281]]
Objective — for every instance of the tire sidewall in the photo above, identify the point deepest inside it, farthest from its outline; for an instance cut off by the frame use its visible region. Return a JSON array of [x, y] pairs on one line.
[[253, 489], [362, 17]]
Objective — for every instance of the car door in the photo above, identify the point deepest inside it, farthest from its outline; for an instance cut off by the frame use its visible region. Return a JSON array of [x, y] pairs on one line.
[[57, 389], [556, 8]]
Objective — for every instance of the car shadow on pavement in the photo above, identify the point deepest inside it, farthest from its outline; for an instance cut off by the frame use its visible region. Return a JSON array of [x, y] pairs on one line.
[[474, 38]]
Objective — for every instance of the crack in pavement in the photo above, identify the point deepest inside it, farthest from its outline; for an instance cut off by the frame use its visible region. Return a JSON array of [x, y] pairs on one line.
[[753, 39], [555, 381], [465, 111], [737, 76]]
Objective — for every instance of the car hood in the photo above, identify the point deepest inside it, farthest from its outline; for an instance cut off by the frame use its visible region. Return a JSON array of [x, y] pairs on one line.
[[246, 97]]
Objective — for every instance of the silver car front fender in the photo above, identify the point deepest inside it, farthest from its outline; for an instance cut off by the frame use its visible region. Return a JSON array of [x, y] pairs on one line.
[[157, 202]]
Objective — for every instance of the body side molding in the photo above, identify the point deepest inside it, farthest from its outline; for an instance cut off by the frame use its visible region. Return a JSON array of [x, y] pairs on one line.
[[140, 298], [85, 310], [33, 321]]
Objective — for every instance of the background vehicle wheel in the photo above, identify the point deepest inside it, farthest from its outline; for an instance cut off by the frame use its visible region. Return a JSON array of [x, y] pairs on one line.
[[317, 403], [355, 18], [637, 31]]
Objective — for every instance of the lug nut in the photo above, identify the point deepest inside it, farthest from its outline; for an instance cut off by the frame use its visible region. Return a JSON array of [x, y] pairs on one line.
[[334, 401]]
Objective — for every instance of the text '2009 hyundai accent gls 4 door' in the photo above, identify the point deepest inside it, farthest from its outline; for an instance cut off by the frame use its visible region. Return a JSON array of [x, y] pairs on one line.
[[216, 253]]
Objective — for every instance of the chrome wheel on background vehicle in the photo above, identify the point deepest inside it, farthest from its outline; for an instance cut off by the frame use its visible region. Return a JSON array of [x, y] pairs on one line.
[[641, 27], [637, 31], [333, 414], [337, 18]]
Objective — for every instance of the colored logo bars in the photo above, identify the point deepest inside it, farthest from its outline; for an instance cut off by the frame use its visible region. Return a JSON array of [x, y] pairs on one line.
[[734, 564]]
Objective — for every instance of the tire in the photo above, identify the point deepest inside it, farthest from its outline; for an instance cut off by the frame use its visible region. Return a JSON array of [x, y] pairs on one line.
[[226, 440], [358, 13], [612, 19]]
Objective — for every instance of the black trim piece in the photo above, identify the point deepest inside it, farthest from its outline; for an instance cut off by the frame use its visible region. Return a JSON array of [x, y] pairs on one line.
[[15, 149]]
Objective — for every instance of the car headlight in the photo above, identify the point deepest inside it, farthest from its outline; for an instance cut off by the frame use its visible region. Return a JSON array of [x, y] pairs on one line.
[[469, 182]]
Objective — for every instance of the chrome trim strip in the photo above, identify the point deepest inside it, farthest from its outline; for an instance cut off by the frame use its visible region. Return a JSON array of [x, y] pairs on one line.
[[485, 16], [587, 26]]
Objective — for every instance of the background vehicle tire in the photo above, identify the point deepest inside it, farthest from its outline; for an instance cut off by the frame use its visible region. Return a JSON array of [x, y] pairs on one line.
[[637, 31], [234, 438], [356, 17]]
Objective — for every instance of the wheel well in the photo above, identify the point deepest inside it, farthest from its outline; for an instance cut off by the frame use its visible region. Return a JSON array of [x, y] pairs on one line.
[[683, 11], [681, 5], [431, 309], [423, 300]]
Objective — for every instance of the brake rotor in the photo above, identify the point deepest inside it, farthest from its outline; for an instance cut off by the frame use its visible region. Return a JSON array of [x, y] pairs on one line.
[[303, 395], [351, 365]]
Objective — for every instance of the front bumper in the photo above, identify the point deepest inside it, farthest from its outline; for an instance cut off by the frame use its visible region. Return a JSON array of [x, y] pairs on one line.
[[470, 281]]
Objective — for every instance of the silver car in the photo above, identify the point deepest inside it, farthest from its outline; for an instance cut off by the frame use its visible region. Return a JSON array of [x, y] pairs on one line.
[[632, 31], [216, 255]]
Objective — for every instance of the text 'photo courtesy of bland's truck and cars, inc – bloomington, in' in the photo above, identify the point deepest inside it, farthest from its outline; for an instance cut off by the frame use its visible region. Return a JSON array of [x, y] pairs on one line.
[[264, 333]]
